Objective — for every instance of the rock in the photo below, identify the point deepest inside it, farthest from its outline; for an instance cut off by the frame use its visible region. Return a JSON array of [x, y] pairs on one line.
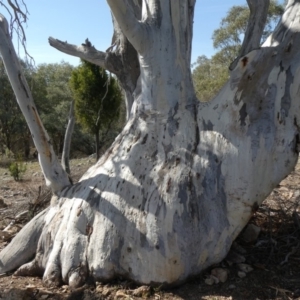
[[221, 274], [245, 268], [5, 188], [232, 287], [106, 291], [2, 203], [250, 234], [37, 174], [142, 291], [238, 248], [235, 258], [242, 274], [99, 288], [121, 294], [210, 280]]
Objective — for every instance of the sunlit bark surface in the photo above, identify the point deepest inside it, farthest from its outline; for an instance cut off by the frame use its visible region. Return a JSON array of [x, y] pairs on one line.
[[183, 178]]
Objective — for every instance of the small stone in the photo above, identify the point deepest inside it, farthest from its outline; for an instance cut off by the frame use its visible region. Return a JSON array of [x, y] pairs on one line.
[[30, 287], [232, 287], [242, 274], [245, 268], [106, 292], [235, 258], [2, 203], [66, 287], [210, 280], [99, 288], [121, 294], [251, 233], [142, 291], [238, 248], [44, 296], [221, 274]]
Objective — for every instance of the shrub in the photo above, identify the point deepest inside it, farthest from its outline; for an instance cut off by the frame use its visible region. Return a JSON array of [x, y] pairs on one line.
[[17, 169]]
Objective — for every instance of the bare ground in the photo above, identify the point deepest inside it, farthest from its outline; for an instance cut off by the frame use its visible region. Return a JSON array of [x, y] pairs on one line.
[[274, 255]]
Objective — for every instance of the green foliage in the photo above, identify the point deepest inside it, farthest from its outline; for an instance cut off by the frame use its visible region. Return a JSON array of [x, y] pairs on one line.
[[210, 75], [52, 95], [17, 170], [232, 28], [97, 99], [13, 128]]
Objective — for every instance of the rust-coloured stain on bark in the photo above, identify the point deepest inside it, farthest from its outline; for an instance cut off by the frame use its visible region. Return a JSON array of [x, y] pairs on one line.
[[45, 142], [244, 61]]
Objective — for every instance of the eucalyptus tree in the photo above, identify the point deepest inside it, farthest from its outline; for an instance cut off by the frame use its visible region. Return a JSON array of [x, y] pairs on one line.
[[183, 178]]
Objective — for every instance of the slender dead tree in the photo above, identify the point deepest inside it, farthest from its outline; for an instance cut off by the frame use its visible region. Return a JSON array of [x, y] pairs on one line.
[[65, 157], [183, 178]]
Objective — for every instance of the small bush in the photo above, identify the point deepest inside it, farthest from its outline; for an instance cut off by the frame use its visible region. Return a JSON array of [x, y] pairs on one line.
[[17, 169]]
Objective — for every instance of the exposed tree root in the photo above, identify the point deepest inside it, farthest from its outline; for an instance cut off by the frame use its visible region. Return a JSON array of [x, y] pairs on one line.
[[23, 247]]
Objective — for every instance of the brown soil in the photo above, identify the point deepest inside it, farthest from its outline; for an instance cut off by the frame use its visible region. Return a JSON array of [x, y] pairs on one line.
[[274, 255]]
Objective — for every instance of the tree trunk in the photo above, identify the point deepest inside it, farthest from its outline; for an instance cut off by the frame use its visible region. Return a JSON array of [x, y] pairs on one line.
[[97, 143], [67, 141], [54, 175], [183, 178]]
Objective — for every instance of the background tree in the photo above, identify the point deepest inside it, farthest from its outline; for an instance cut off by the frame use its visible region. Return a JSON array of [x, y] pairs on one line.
[[210, 75], [97, 99], [52, 94], [183, 178], [14, 134]]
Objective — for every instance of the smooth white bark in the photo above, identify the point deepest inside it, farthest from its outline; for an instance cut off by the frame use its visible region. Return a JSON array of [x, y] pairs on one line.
[[183, 178], [136, 31], [55, 176], [88, 53], [255, 27]]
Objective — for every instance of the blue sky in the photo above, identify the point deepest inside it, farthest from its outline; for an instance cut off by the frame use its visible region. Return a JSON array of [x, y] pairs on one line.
[[75, 20]]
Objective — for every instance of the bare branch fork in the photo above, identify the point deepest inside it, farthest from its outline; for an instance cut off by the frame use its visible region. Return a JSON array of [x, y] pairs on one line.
[[255, 28], [120, 58]]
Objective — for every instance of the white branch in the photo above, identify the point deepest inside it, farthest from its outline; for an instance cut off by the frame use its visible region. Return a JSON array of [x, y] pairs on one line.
[[54, 174], [83, 51], [134, 30], [255, 28], [67, 141]]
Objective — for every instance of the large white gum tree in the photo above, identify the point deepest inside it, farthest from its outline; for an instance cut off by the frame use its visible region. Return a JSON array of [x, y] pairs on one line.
[[183, 178]]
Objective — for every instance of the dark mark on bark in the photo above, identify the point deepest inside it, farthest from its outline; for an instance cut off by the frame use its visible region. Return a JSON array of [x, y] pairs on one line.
[[22, 84], [89, 231], [244, 61], [145, 139], [289, 47], [286, 99], [209, 126], [297, 143], [243, 115], [169, 185], [255, 207]]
